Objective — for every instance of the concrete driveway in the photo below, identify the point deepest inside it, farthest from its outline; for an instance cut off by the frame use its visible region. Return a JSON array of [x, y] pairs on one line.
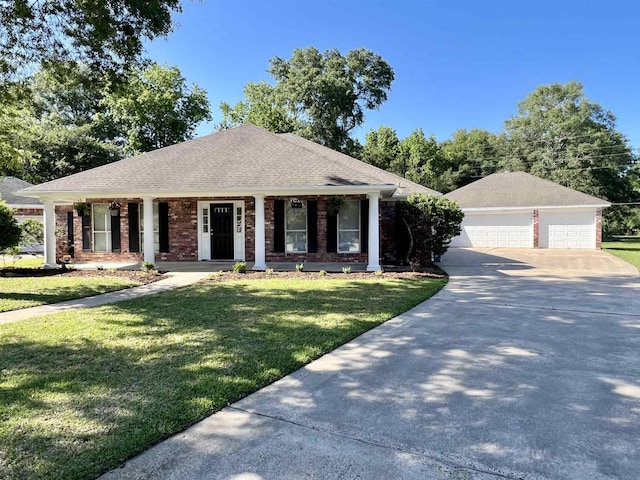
[[522, 368]]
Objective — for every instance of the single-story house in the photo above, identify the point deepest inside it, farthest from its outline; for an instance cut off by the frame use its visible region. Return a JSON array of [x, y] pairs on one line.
[[239, 194], [25, 207], [517, 209]]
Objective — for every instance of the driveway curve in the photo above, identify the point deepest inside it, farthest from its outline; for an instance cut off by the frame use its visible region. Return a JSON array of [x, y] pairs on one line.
[[521, 368]]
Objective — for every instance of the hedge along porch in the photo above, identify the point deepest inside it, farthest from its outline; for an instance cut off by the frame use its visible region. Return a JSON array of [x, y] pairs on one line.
[[239, 194]]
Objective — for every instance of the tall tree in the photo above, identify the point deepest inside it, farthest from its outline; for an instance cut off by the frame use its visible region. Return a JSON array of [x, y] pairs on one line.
[[16, 129], [64, 135], [103, 35], [321, 96], [73, 123], [420, 159], [156, 108], [381, 148], [469, 155], [561, 135], [260, 107]]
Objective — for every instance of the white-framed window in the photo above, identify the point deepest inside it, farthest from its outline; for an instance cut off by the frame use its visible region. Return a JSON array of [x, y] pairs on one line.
[[295, 233], [156, 227], [101, 227], [349, 227]]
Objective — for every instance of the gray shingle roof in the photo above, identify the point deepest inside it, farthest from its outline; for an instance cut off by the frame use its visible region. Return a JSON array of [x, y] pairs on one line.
[[520, 189], [243, 158], [10, 185]]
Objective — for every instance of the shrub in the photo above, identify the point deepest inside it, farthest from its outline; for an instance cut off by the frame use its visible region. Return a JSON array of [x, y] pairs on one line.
[[269, 271], [10, 231], [379, 272], [346, 270], [148, 266], [300, 267], [32, 233], [323, 273], [431, 223], [240, 267]]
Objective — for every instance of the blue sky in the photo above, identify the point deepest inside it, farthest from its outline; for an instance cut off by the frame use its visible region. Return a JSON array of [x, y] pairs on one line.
[[458, 64]]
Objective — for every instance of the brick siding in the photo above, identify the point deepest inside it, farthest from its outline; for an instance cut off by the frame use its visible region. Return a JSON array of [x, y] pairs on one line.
[[599, 228], [29, 212], [536, 228], [183, 231]]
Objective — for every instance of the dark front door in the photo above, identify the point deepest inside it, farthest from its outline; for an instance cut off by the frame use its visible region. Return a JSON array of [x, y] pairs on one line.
[[221, 230]]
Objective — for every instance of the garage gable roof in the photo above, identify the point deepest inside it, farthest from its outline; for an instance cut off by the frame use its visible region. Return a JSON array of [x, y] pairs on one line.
[[245, 158], [520, 189]]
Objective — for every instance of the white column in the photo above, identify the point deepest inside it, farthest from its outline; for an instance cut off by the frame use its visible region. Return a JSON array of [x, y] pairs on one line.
[[147, 248], [49, 235], [260, 263], [374, 233]]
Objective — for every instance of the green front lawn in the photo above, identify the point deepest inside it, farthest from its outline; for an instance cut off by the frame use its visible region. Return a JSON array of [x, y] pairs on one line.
[[84, 390], [25, 262], [626, 248], [25, 292]]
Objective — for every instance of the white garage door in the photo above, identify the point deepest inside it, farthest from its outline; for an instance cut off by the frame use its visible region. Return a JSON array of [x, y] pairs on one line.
[[496, 230], [568, 229]]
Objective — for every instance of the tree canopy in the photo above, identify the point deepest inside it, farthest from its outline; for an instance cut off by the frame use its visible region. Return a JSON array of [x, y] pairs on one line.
[[320, 96], [68, 124], [156, 108], [561, 135], [557, 134], [105, 36]]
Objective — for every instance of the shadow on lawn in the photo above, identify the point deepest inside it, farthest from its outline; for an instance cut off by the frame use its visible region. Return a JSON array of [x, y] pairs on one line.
[[150, 367]]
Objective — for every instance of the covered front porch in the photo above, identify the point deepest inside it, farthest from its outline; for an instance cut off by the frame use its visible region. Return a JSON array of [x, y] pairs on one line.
[[276, 231]]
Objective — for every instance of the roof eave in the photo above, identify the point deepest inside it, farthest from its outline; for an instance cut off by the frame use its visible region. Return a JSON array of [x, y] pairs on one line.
[[534, 207], [57, 196]]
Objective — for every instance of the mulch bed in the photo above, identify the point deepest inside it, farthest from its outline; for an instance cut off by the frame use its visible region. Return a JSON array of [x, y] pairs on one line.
[[136, 276], [428, 272]]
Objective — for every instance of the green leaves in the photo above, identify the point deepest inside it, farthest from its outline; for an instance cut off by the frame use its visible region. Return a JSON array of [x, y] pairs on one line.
[[320, 96], [9, 229], [561, 135], [106, 36], [82, 120], [432, 223], [156, 108]]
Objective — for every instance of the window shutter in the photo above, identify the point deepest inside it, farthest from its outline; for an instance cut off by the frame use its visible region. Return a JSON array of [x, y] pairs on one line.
[[364, 226], [115, 233], [70, 232], [86, 233], [332, 233], [278, 226], [163, 227], [312, 226], [134, 227]]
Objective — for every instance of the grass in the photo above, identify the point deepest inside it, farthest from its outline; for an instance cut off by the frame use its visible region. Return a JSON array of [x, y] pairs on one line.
[[626, 248], [25, 292], [25, 262], [84, 390]]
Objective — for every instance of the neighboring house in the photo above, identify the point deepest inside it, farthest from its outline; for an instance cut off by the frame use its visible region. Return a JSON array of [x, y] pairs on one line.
[[239, 194], [517, 209], [25, 207]]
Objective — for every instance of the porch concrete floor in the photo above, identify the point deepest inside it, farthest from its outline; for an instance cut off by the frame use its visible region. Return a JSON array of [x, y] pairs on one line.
[[214, 266]]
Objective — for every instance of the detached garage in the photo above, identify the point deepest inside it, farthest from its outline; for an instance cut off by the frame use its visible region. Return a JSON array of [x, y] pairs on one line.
[[517, 209]]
